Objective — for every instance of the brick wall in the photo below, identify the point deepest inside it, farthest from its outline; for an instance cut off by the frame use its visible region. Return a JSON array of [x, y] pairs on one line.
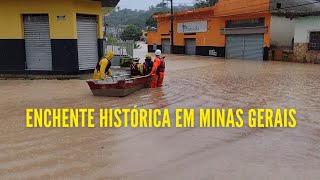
[[303, 55]]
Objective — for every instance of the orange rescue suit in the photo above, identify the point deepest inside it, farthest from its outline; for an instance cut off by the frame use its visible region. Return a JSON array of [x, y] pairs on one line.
[[158, 72]]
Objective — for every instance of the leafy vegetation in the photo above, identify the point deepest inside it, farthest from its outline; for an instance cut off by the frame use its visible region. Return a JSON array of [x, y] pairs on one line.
[[136, 20], [111, 39], [204, 3], [140, 18], [132, 32]]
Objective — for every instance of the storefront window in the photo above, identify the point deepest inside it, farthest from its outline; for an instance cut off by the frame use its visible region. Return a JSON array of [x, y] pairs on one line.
[[245, 23], [314, 43]]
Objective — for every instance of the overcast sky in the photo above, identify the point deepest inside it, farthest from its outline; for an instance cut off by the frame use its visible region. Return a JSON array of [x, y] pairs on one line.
[[144, 4]]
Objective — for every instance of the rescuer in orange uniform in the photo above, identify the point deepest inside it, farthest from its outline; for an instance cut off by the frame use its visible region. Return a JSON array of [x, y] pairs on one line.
[[158, 70]]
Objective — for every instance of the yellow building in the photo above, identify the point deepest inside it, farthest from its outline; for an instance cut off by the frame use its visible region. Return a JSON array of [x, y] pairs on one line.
[[60, 36]]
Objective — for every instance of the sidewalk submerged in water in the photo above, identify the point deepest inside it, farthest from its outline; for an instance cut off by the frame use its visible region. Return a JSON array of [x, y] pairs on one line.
[[116, 71]]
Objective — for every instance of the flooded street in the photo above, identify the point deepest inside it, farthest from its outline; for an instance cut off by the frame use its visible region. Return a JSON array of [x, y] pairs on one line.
[[195, 153]]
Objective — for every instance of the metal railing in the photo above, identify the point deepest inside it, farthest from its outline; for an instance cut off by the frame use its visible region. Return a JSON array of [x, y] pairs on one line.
[[121, 48]]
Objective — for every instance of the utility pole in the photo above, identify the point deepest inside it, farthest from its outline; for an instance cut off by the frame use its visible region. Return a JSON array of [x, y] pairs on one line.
[[118, 30], [171, 31], [105, 25]]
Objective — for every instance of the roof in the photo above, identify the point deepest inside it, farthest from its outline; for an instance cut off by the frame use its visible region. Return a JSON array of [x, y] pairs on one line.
[[293, 8], [109, 3], [181, 13], [298, 14]]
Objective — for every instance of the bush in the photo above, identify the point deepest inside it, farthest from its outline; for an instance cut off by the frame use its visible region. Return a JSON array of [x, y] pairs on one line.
[[111, 39], [126, 61]]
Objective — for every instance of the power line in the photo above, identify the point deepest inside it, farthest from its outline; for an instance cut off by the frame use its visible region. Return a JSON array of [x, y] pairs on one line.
[[299, 5], [255, 12]]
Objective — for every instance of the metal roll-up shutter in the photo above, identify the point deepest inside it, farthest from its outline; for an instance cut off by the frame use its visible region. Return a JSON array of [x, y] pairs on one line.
[[87, 42], [166, 49], [245, 46], [253, 47], [235, 46], [37, 42], [190, 46]]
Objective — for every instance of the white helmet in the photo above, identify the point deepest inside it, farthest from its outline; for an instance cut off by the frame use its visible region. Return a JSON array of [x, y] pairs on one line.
[[158, 52]]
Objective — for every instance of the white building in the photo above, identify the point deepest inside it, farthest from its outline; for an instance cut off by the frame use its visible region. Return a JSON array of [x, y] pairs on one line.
[[307, 38], [304, 17]]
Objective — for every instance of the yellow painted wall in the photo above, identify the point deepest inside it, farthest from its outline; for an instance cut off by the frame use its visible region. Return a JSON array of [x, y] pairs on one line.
[[90, 8], [11, 20]]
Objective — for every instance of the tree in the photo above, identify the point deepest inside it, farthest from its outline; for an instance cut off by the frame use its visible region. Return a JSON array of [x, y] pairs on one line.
[[204, 3], [152, 22], [111, 39], [132, 32], [140, 18]]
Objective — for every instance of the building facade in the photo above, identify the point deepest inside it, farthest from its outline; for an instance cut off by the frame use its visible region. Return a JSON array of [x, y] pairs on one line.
[[59, 36], [115, 31], [235, 29], [306, 17], [307, 39]]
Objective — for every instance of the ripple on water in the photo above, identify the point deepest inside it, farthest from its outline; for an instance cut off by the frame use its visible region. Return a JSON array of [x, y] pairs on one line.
[[191, 82]]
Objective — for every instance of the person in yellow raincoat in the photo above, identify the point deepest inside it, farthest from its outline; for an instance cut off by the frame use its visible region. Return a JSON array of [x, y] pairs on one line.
[[103, 67]]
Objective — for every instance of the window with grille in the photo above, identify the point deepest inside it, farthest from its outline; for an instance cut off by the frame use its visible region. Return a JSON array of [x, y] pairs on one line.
[[314, 43]]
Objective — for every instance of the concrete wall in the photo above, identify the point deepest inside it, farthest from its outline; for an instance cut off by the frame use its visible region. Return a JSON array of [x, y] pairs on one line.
[[303, 26], [294, 6], [301, 41], [282, 32]]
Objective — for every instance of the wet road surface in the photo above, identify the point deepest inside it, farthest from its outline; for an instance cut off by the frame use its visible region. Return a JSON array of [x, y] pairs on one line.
[[191, 82]]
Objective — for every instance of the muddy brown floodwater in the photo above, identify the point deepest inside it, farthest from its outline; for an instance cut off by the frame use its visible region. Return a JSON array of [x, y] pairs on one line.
[[191, 82]]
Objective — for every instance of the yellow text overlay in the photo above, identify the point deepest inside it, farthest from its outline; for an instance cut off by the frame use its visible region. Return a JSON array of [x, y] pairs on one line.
[[160, 118]]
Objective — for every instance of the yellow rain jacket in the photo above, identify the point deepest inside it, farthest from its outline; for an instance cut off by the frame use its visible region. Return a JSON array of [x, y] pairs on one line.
[[104, 67]]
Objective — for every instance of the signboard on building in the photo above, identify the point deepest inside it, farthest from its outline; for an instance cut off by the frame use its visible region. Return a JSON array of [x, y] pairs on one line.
[[193, 27], [213, 53], [60, 18]]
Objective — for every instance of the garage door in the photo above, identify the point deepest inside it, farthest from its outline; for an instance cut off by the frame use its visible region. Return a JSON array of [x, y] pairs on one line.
[[253, 48], [190, 46], [245, 46], [235, 46], [37, 42], [87, 42], [166, 49]]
